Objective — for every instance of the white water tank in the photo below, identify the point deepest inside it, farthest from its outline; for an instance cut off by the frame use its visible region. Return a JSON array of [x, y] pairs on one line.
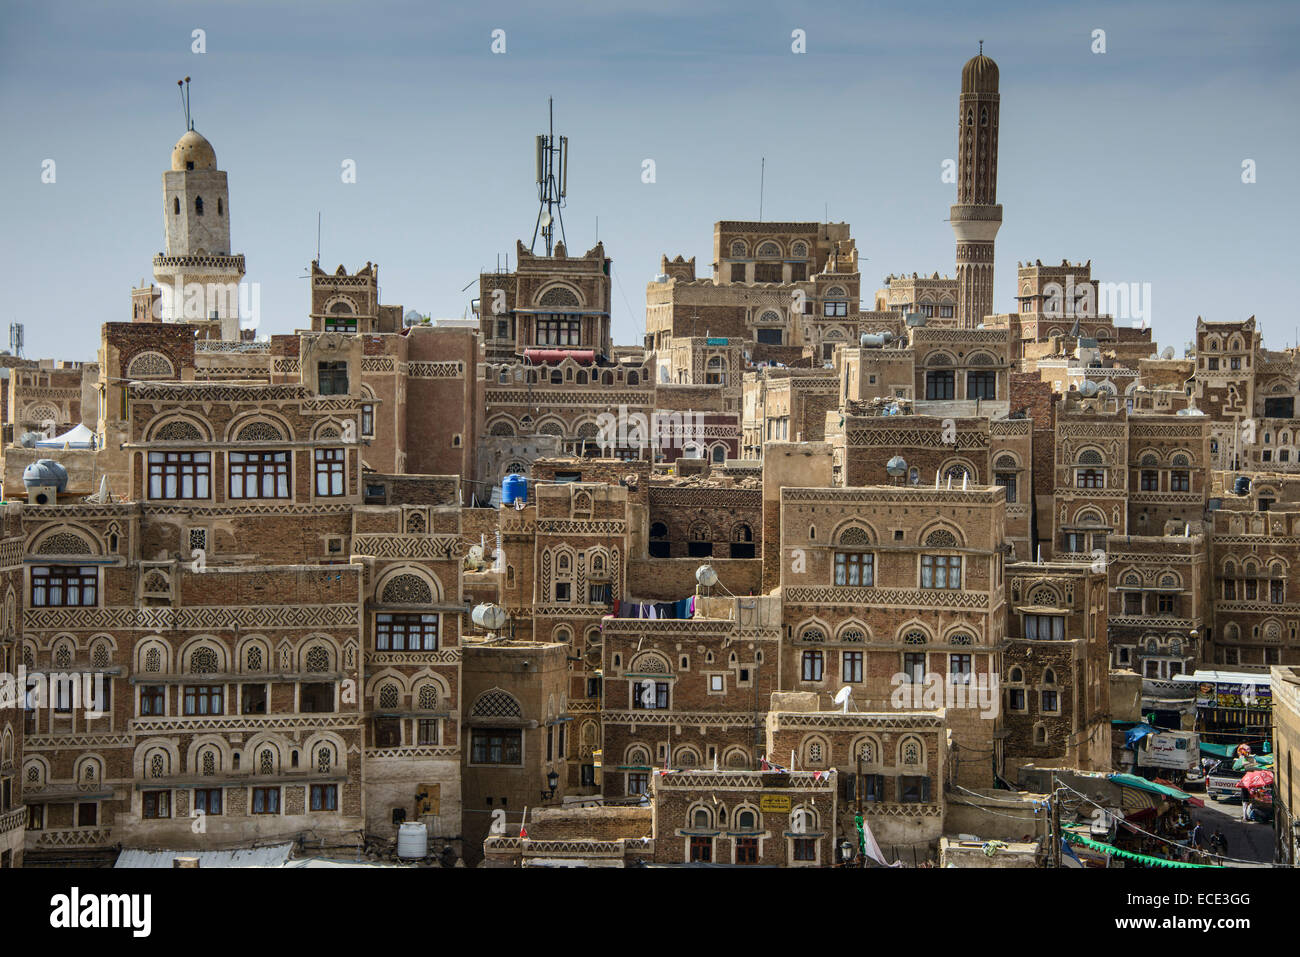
[[412, 841]]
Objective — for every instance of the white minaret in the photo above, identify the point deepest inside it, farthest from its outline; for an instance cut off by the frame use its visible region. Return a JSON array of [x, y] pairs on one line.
[[199, 276]]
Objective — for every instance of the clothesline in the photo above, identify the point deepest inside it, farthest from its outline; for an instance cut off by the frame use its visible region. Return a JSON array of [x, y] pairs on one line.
[[654, 610]]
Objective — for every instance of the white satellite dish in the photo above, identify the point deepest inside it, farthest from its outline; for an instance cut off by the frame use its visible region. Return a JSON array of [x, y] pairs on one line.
[[842, 698], [476, 554]]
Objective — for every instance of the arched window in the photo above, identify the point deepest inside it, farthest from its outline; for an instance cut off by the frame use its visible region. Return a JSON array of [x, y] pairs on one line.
[[198, 205], [204, 661]]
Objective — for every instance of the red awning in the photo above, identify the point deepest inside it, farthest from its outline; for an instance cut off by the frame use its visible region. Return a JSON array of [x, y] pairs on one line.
[[552, 356]]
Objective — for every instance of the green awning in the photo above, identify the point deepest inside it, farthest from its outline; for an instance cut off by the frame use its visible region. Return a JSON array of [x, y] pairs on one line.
[[1218, 750], [1128, 855], [1133, 781]]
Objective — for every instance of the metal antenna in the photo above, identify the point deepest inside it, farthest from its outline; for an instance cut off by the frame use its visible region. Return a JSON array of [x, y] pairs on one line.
[[762, 178], [185, 101], [552, 183], [981, 48]]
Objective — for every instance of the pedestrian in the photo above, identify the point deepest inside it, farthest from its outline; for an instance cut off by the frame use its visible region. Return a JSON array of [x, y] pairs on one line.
[[1195, 839], [1223, 843]]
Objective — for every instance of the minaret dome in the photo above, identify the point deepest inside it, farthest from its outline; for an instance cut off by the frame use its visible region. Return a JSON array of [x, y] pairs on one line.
[[979, 75], [192, 151]]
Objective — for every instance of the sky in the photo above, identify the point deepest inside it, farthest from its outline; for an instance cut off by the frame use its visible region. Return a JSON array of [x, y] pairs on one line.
[[1131, 158]]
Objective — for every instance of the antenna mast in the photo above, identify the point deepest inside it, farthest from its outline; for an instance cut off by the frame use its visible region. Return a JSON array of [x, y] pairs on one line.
[[552, 183], [185, 101]]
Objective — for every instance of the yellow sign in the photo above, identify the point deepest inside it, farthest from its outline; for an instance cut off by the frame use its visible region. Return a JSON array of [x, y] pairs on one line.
[[597, 756], [428, 798], [775, 803]]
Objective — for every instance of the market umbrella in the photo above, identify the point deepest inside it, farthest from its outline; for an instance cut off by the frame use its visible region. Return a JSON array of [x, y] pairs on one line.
[[1256, 780]]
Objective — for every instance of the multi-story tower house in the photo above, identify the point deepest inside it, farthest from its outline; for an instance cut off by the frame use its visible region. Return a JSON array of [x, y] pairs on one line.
[[13, 813], [897, 593], [687, 693], [932, 297], [1056, 676], [976, 216], [199, 276], [781, 287], [1255, 551], [349, 302], [1160, 599], [1092, 469], [549, 303]]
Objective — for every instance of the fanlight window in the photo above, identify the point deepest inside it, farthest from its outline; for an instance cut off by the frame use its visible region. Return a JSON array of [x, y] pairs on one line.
[[496, 704], [259, 432], [407, 590], [204, 661]]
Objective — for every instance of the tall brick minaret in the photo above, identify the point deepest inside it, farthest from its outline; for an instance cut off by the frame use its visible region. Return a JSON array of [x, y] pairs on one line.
[[977, 215]]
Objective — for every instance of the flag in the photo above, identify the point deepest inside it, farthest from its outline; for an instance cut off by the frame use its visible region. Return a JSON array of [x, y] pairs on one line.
[[1068, 850], [767, 765], [523, 831], [869, 846]]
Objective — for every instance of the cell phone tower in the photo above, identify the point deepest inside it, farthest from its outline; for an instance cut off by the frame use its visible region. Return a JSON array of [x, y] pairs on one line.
[[552, 183]]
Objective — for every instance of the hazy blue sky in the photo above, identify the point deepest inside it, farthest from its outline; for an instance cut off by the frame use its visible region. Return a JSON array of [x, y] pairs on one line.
[[1131, 158]]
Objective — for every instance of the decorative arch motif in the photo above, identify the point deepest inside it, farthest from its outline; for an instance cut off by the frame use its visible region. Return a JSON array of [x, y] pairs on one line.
[[407, 590], [150, 365], [941, 538], [496, 703], [854, 535], [649, 663], [259, 431], [558, 296], [177, 430], [64, 543]]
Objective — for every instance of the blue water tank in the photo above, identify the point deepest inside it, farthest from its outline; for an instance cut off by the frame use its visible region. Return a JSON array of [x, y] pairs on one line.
[[1241, 486], [46, 472], [514, 487]]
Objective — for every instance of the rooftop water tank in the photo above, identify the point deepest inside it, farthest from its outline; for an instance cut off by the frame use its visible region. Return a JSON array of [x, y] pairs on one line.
[[46, 473], [412, 841], [1241, 486], [514, 487]]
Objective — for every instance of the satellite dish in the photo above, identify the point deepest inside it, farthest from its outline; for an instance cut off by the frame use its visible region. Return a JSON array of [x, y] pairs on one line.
[[706, 576], [476, 554], [546, 219], [412, 318], [842, 698], [897, 466], [1168, 353]]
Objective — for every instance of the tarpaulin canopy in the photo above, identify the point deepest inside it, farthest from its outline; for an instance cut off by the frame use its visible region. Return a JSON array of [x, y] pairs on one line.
[[77, 437], [1129, 855], [1133, 781], [1136, 734]]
